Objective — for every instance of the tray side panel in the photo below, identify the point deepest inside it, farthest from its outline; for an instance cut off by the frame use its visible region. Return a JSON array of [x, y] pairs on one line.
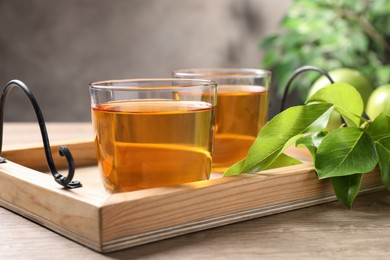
[[34, 157], [159, 213], [36, 196]]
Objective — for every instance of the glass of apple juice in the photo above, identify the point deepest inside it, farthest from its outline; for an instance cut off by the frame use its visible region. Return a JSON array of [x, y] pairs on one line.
[[241, 111], [153, 132]]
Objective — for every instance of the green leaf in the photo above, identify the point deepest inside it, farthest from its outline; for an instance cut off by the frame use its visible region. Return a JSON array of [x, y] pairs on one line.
[[270, 59], [279, 133], [383, 74], [379, 131], [380, 7], [380, 127], [357, 39], [283, 160], [383, 150], [347, 188], [345, 151], [269, 42], [235, 169], [282, 73], [311, 142], [346, 99]]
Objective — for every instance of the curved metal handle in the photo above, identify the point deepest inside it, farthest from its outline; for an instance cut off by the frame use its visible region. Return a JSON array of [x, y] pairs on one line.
[[66, 182], [295, 74]]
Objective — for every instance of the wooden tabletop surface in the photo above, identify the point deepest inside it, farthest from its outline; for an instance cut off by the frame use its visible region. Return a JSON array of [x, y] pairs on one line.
[[326, 231]]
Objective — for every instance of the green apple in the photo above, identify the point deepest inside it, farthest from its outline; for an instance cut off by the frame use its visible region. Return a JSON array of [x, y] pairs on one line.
[[379, 101], [346, 75]]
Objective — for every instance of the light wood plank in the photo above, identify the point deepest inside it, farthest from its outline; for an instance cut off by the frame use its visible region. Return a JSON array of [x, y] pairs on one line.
[[129, 222], [107, 222], [326, 231], [83, 152], [73, 213]]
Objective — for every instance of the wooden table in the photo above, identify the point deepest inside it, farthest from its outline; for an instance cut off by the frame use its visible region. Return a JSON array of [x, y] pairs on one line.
[[327, 231]]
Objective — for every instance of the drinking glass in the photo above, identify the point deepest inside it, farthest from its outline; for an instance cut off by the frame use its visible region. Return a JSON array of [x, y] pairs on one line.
[[242, 109], [153, 132]]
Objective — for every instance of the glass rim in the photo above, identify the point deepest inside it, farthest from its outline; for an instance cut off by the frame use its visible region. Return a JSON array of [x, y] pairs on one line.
[[222, 72], [153, 84]]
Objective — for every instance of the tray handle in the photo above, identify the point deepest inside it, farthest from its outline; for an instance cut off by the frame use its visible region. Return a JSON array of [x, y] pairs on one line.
[[296, 73], [65, 181]]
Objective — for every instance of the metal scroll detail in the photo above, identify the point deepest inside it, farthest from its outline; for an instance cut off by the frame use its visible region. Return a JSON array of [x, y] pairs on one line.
[[295, 74], [65, 181]]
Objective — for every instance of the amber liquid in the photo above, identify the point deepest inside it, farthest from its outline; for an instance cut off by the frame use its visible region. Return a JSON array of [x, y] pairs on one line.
[[241, 113], [145, 144]]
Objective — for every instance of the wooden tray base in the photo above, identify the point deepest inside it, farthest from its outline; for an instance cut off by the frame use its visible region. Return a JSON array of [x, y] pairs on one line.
[[107, 222]]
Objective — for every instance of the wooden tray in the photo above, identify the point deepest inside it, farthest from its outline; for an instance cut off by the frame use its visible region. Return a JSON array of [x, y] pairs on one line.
[[107, 222]]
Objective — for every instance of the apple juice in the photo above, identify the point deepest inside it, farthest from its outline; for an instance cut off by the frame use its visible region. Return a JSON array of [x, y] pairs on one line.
[[147, 143], [240, 114]]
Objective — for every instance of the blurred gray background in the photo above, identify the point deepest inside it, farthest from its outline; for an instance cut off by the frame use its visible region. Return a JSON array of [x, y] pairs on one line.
[[57, 47]]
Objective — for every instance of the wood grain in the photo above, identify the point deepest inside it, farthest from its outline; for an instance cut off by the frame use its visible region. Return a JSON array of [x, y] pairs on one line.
[[325, 231], [107, 222], [34, 157]]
